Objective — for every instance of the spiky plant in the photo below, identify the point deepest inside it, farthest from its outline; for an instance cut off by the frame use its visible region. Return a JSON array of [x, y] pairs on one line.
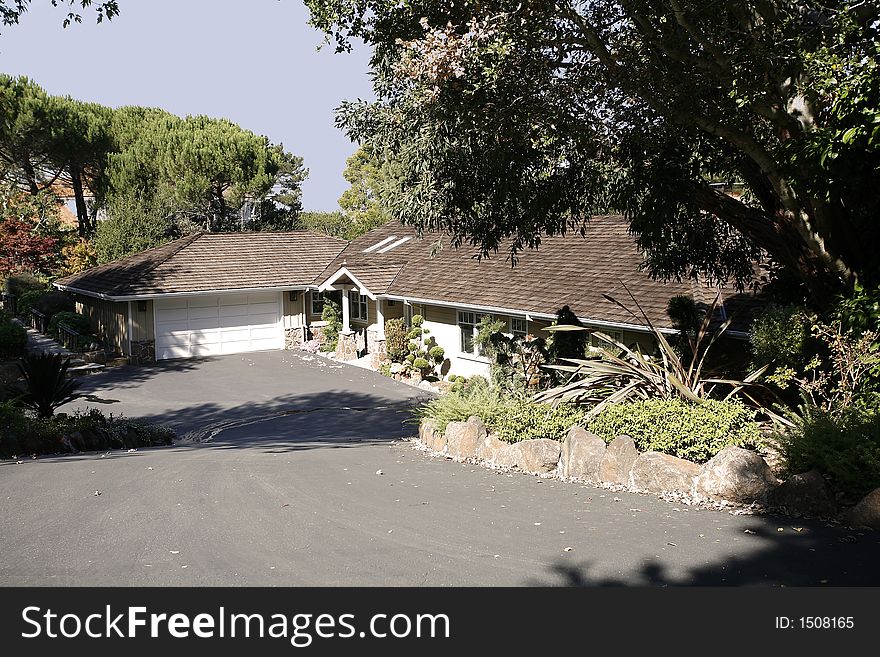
[[46, 384]]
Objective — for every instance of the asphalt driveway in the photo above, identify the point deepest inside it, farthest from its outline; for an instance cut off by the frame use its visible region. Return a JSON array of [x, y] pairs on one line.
[[295, 474]]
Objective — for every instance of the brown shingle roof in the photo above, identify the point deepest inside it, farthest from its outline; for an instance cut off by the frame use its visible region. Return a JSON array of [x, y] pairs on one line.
[[573, 270], [213, 261]]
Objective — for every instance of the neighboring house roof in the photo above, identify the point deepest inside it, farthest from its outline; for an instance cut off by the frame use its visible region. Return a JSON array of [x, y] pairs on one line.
[[207, 262], [573, 270]]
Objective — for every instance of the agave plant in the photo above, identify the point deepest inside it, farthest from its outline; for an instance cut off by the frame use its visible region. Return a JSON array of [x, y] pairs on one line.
[[46, 384], [620, 373]]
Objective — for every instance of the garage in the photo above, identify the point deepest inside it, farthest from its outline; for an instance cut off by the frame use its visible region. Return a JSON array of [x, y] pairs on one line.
[[213, 325]]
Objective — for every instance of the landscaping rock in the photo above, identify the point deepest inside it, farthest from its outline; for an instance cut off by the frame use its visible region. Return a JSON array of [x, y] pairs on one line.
[[866, 513], [489, 449], [508, 456], [582, 454], [427, 429], [462, 438], [540, 456], [735, 475], [618, 460], [804, 494], [658, 473]]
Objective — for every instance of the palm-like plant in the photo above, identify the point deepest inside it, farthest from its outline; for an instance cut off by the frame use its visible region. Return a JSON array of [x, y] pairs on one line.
[[620, 373], [46, 384]]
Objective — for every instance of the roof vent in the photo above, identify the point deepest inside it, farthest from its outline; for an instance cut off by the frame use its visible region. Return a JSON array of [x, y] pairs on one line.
[[382, 243], [386, 249]]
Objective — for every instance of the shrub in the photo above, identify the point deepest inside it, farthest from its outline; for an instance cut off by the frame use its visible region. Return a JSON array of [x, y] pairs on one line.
[[523, 419], [474, 399], [844, 445], [420, 363], [26, 301], [417, 320], [781, 335], [395, 339], [18, 284], [332, 314], [13, 339], [54, 302], [46, 385], [437, 354], [694, 431], [75, 321]]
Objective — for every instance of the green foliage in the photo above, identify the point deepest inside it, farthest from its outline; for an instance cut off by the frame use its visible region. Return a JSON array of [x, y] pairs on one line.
[[72, 320], [53, 302], [781, 335], [334, 224], [693, 431], [859, 311], [515, 361], [685, 314], [420, 363], [13, 338], [396, 340], [28, 300], [362, 202], [842, 444], [477, 398], [18, 284], [332, 314], [133, 226], [417, 321], [437, 354], [12, 10], [46, 385]]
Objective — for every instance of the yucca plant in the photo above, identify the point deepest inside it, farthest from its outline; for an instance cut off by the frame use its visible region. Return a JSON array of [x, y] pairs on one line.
[[46, 384], [620, 373]]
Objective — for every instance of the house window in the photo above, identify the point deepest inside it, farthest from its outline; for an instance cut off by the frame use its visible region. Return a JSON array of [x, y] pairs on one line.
[[518, 327], [357, 305], [614, 335], [317, 303], [467, 325]]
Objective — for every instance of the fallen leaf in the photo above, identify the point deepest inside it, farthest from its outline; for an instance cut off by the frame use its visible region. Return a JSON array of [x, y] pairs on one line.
[[568, 549], [379, 472], [748, 531], [97, 492]]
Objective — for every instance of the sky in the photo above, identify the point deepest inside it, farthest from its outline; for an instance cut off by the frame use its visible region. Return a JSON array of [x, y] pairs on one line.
[[255, 63]]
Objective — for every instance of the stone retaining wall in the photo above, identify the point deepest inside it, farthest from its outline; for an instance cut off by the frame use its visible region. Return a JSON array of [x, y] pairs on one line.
[[734, 476]]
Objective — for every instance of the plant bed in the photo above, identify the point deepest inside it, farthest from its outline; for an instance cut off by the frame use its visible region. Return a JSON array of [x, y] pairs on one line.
[[23, 434]]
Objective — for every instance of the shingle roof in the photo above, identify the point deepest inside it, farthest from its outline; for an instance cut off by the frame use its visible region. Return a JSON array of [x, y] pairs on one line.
[[213, 261], [573, 270]]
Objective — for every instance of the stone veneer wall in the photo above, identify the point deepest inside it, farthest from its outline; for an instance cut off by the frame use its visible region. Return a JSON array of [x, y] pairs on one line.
[[143, 352], [347, 346], [294, 337]]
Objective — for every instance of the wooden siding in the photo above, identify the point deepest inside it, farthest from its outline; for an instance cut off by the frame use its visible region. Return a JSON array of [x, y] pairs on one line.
[[293, 310], [108, 319], [142, 321]]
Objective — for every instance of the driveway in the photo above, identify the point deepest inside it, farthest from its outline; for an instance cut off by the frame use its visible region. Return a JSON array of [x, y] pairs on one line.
[[301, 478]]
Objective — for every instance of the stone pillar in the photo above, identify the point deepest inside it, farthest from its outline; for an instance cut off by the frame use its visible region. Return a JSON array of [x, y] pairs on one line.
[[346, 346]]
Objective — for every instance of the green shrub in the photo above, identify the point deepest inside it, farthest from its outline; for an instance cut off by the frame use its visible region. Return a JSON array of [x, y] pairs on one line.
[[26, 301], [13, 339], [18, 284], [332, 314], [781, 335], [523, 419], [395, 340], [417, 320], [13, 429], [844, 445], [72, 320], [54, 302], [437, 354], [673, 426], [474, 399], [420, 363], [46, 385]]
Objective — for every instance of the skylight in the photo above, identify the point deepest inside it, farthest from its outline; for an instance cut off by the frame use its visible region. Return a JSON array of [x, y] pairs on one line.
[[386, 249], [382, 243]]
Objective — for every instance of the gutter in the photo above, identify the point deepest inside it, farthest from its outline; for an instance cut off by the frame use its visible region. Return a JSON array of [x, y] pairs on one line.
[[172, 295]]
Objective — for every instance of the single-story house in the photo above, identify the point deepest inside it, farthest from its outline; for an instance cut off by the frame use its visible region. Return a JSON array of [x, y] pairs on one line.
[[217, 293]]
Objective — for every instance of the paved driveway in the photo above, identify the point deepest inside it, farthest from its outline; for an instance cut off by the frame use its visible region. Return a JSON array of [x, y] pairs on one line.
[[287, 490]]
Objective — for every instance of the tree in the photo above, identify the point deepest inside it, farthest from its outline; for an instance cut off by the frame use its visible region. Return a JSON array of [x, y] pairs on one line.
[[510, 119], [131, 226], [27, 242], [11, 10], [283, 204], [362, 202]]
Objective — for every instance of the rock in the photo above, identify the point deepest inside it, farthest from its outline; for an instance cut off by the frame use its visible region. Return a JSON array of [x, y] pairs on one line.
[[436, 441], [426, 385], [508, 456], [657, 473], [804, 494], [618, 460], [582, 454], [462, 438], [396, 368], [866, 513], [735, 475], [490, 447], [540, 456], [427, 429]]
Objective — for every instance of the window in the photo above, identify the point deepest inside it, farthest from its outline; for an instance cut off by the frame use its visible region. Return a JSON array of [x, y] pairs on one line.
[[357, 305], [317, 303], [518, 327], [614, 335], [467, 324]]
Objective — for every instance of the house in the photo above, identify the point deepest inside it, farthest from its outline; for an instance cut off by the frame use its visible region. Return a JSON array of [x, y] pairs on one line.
[[217, 293]]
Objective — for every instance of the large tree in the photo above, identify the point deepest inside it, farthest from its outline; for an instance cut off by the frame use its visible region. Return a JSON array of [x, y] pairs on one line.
[[509, 119], [12, 10], [362, 202]]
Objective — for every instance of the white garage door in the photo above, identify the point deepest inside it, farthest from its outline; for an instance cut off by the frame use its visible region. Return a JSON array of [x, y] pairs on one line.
[[208, 326]]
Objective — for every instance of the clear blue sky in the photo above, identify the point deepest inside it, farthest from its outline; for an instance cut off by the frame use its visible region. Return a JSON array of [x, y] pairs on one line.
[[252, 62]]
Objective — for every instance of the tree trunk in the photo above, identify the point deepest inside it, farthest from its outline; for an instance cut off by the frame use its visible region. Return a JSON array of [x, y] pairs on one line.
[[82, 211]]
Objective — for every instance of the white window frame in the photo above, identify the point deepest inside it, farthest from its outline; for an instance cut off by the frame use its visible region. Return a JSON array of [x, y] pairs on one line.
[[316, 298], [462, 317], [524, 331], [357, 304]]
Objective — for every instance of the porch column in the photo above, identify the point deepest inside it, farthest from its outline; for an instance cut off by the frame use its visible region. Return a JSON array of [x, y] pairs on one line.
[[346, 311], [380, 318]]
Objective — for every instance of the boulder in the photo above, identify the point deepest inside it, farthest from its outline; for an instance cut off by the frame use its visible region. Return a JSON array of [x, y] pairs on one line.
[[582, 454], [436, 441], [657, 473], [866, 513], [427, 429], [735, 475], [804, 494], [462, 438], [540, 456], [489, 449], [618, 460], [508, 456]]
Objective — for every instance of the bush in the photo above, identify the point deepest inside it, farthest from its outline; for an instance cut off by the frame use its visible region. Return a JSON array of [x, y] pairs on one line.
[[395, 339], [420, 363], [332, 314], [13, 339], [673, 426], [844, 445], [46, 385], [54, 302], [474, 399], [26, 301], [18, 284], [781, 335], [72, 320], [437, 353]]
